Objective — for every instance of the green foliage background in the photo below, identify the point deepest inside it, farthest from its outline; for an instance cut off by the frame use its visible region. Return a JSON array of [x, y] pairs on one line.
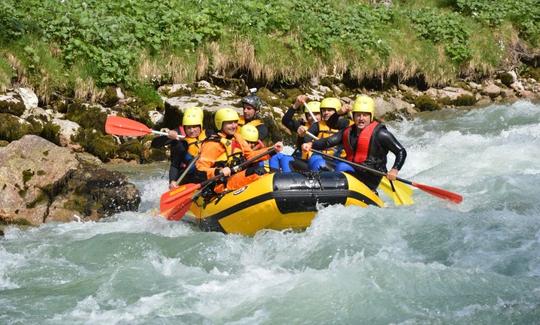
[[107, 40]]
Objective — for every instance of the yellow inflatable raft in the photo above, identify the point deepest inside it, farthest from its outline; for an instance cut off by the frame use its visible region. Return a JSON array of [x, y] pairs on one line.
[[279, 201]]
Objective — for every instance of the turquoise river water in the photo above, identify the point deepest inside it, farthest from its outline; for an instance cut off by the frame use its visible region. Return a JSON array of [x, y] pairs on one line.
[[431, 263]]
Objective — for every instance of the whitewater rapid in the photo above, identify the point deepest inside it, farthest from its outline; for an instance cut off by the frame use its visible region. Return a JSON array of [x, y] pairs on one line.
[[434, 262]]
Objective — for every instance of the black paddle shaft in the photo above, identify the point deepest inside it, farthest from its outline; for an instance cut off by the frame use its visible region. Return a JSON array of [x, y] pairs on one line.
[[369, 169]]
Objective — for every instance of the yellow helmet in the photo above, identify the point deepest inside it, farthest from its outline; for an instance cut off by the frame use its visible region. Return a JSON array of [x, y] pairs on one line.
[[331, 102], [250, 133], [314, 107], [193, 116], [225, 115], [364, 104]]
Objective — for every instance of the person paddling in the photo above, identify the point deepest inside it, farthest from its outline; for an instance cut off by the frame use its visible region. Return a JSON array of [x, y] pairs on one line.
[[227, 149], [365, 142], [184, 150], [321, 129], [300, 126]]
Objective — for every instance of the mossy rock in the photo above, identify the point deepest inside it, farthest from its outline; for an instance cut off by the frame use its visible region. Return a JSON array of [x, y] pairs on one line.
[[110, 98], [506, 78], [426, 103], [13, 128], [465, 100], [157, 154], [268, 97], [12, 107], [531, 72], [51, 132], [3, 143], [102, 146], [88, 117], [79, 203], [131, 150], [463, 85], [290, 96], [445, 101], [140, 112]]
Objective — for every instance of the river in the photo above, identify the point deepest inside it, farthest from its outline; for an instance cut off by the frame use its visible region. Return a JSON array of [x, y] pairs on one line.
[[431, 263]]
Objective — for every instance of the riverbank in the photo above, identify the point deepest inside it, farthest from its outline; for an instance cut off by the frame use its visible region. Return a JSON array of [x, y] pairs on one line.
[[79, 126]]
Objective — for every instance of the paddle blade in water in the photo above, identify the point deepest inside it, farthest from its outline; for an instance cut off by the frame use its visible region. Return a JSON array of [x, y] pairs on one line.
[[399, 192], [439, 192], [123, 126]]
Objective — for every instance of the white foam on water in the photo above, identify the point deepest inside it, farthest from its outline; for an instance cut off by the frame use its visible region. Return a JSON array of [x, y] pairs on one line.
[[89, 311], [10, 262], [433, 262]]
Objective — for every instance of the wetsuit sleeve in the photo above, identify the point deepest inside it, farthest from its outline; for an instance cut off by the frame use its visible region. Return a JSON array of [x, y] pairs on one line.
[[263, 131], [178, 156], [328, 142], [389, 142], [288, 120], [337, 122], [333, 121], [343, 123], [161, 141], [313, 129]]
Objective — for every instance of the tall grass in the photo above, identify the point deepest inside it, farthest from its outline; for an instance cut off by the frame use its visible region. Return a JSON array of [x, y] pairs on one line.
[[85, 46]]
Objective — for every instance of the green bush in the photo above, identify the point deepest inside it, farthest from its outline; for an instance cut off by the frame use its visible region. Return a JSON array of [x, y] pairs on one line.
[[446, 28]]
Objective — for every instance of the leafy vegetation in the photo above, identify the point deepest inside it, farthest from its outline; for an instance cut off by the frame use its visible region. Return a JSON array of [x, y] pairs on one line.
[[136, 44]]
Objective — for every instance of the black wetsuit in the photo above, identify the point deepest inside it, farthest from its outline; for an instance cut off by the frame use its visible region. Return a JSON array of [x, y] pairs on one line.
[[293, 125], [180, 159], [382, 141]]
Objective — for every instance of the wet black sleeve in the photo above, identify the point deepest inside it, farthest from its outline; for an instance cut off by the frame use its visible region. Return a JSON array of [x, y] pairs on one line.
[[289, 122], [263, 132], [161, 141], [338, 122], [390, 143], [313, 129], [178, 156], [328, 142]]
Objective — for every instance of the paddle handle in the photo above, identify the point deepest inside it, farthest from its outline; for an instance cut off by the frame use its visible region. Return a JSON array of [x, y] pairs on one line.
[[310, 113], [161, 133], [179, 136], [374, 171], [235, 169], [438, 192], [311, 135], [186, 171]]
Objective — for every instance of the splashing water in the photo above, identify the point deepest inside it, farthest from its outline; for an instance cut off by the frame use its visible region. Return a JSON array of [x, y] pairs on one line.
[[434, 262]]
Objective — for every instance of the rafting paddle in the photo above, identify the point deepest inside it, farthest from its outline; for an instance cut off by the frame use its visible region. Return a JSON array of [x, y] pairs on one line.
[[435, 191], [175, 203], [117, 125]]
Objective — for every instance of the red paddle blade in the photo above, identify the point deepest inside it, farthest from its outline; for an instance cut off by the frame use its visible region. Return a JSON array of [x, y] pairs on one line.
[[439, 192], [176, 213], [170, 200], [123, 126]]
